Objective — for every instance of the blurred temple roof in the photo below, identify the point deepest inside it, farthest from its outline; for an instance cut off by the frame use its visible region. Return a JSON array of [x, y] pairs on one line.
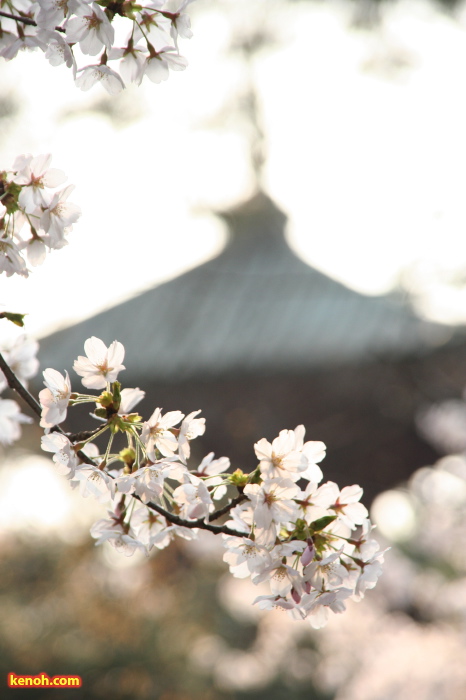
[[256, 308]]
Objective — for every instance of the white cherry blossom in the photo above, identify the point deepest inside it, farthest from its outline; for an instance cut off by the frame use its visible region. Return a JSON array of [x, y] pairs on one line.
[[34, 174], [193, 499], [50, 13], [10, 421], [11, 261], [280, 459], [58, 51], [90, 28], [156, 433], [129, 399], [64, 456], [273, 502], [21, 359], [108, 78], [191, 428], [59, 215], [244, 556], [102, 364], [282, 578], [54, 398], [119, 534], [209, 468], [95, 482], [156, 66], [163, 538]]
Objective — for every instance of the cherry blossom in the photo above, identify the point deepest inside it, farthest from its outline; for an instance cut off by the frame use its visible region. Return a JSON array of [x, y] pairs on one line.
[[157, 434], [90, 28], [102, 364], [108, 78], [59, 215], [191, 428], [273, 501], [210, 468], [34, 174], [64, 456], [54, 398], [21, 357], [280, 459], [193, 499], [33, 205], [10, 421], [119, 534], [245, 556]]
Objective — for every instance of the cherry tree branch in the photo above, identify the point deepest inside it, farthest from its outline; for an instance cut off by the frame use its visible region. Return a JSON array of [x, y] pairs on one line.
[[201, 524], [27, 20], [15, 384], [226, 509]]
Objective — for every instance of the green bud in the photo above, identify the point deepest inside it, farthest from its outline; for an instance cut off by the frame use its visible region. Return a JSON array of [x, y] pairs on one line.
[[10, 199], [301, 531], [127, 455], [238, 478], [133, 418], [105, 399], [322, 523], [116, 386]]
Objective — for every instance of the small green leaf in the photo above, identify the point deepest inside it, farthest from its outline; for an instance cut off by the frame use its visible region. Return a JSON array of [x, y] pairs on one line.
[[322, 523], [17, 319]]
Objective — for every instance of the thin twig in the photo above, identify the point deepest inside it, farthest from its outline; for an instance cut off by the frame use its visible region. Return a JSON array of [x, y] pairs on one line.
[[226, 509], [201, 524], [83, 435], [27, 20], [15, 384]]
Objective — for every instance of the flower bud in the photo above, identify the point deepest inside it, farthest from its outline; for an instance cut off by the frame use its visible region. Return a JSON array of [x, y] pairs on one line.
[[308, 554], [105, 399], [127, 455]]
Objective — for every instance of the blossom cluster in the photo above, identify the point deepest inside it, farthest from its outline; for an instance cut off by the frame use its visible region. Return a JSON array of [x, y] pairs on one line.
[[283, 527], [140, 37], [34, 216], [21, 358]]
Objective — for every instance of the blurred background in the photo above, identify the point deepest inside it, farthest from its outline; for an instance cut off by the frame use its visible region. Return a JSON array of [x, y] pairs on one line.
[[277, 237]]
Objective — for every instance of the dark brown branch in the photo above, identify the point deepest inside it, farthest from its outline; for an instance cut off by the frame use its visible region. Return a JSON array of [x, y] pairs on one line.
[[27, 20], [226, 509], [18, 18], [15, 384], [201, 524], [83, 435]]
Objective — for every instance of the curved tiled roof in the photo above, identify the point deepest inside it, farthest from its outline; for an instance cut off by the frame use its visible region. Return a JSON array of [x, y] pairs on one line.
[[256, 308]]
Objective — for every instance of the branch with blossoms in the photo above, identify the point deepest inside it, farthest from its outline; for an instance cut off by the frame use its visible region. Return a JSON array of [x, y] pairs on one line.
[[34, 216], [139, 38], [298, 537]]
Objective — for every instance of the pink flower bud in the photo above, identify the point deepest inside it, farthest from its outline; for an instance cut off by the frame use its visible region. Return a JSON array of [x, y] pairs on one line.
[[308, 554]]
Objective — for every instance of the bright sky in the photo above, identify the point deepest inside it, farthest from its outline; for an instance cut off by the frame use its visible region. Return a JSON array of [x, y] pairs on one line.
[[366, 137]]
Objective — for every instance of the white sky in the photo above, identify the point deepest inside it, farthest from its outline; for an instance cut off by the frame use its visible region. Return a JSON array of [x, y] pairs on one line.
[[367, 145]]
